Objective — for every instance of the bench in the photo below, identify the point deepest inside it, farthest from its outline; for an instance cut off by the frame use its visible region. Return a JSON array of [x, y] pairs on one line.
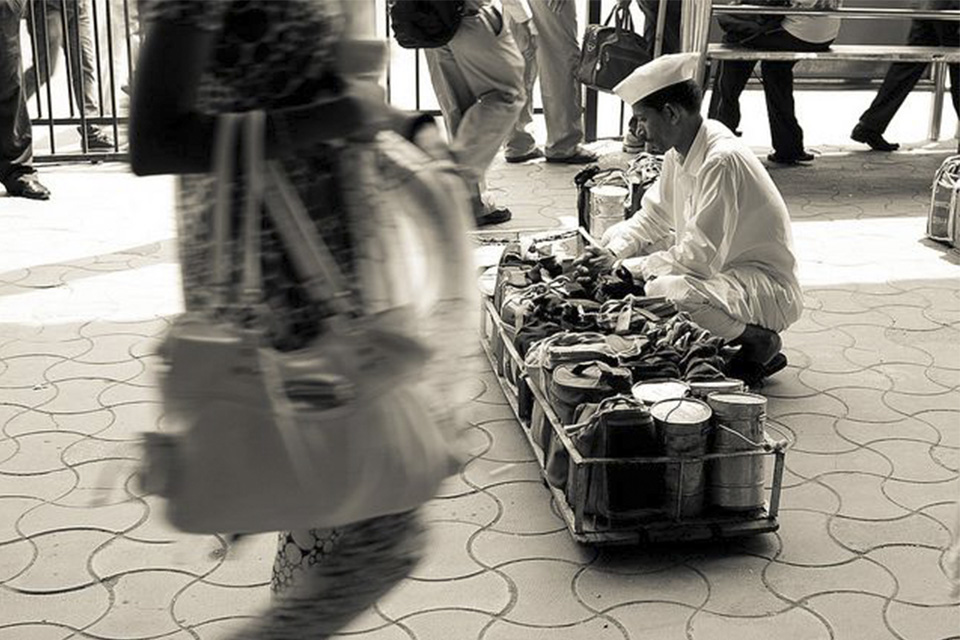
[[695, 37]]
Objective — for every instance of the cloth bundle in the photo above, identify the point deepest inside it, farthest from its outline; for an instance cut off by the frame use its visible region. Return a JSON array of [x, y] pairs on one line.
[[678, 349], [574, 384], [634, 314]]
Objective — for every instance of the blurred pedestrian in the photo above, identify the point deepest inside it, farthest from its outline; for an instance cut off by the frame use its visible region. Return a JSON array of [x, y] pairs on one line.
[[902, 77], [47, 22], [546, 32], [16, 139], [478, 79], [201, 59], [792, 33]]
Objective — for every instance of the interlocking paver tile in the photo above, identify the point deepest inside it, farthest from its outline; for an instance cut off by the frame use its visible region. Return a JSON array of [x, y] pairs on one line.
[[598, 628], [867, 405], [912, 461], [864, 535], [488, 592], [493, 548], [795, 624], [853, 615], [75, 609], [15, 558], [923, 623], [920, 579], [945, 422], [89, 423], [198, 602], [444, 624], [121, 555], [480, 508], [130, 420], [110, 349], [823, 404], [34, 632], [942, 346], [40, 487], [56, 347], [28, 422], [805, 539], [911, 319], [874, 347], [737, 586], [27, 370], [78, 395], [118, 393], [61, 561], [603, 590], [839, 301], [72, 369], [915, 495], [857, 576], [864, 496], [141, 605], [38, 452], [911, 379], [30, 397], [450, 556], [910, 404], [481, 472], [154, 527], [948, 378], [811, 495], [810, 465], [946, 457], [812, 433], [844, 319], [865, 378], [115, 518], [92, 448], [906, 429], [543, 593], [507, 443], [535, 516]]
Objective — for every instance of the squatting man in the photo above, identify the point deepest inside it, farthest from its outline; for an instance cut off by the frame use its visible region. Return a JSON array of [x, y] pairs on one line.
[[713, 233]]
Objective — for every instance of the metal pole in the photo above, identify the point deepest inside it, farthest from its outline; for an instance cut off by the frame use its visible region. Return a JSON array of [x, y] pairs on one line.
[[936, 105], [661, 21], [590, 107]]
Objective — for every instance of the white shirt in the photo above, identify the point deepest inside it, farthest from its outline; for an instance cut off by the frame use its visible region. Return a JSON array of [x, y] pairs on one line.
[[709, 213], [815, 29]]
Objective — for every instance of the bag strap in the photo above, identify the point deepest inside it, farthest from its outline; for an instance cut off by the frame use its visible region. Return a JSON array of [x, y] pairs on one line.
[[312, 259], [624, 21]]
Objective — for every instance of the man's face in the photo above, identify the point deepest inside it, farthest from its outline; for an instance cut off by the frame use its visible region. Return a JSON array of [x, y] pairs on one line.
[[655, 126]]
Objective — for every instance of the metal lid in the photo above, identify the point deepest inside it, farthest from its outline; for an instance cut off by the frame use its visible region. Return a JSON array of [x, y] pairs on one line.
[[652, 391], [681, 411]]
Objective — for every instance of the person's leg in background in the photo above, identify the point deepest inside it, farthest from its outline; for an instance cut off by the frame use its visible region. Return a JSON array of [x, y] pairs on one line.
[[45, 25], [479, 77], [900, 80], [786, 135], [558, 52], [83, 68], [16, 142], [730, 80], [521, 145]]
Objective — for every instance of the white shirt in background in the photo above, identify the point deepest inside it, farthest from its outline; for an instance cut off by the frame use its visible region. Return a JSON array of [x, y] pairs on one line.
[[813, 28]]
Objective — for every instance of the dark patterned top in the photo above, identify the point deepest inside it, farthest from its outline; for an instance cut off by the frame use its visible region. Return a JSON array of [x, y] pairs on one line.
[[267, 54]]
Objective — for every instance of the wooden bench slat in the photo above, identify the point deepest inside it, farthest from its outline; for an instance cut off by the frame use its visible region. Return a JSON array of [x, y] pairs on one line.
[[882, 53]]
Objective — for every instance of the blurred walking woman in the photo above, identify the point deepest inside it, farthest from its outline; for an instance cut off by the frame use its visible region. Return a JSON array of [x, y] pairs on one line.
[[201, 58]]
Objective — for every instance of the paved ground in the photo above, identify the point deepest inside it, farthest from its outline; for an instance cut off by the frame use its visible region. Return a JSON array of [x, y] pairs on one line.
[[870, 405]]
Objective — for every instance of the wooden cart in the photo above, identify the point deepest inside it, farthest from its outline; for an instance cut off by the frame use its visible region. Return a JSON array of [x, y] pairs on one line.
[[661, 525]]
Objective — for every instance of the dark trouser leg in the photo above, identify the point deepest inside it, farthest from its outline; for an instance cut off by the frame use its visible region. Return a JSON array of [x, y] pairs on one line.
[[82, 56], [16, 150], [900, 80], [785, 132], [731, 78], [671, 27]]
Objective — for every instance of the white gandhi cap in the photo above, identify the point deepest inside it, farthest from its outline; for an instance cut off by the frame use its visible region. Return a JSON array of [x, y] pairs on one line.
[[657, 74]]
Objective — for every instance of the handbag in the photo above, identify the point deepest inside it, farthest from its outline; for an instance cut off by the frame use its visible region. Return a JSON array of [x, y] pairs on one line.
[[330, 434], [610, 53]]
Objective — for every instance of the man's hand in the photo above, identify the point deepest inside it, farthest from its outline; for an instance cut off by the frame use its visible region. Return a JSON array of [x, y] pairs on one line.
[[595, 260]]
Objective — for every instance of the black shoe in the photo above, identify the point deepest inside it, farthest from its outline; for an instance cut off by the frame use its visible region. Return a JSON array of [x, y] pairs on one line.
[[792, 160], [532, 155], [753, 374], [98, 139], [495, 215], [26, 185], [872, 138], [580, 156]]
